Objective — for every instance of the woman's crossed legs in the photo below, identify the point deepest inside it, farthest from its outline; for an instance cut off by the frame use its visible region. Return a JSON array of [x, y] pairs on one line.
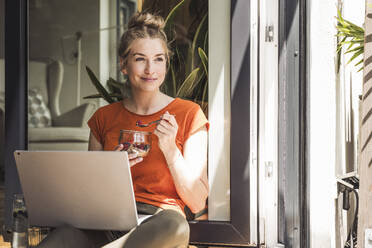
[[165, 229]]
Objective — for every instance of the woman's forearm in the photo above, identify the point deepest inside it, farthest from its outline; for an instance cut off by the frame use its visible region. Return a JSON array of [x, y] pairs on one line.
[[189, 184], [94, 144]]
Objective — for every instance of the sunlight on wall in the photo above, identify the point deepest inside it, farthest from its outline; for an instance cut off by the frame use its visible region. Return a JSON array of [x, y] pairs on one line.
[[330, 115], [139, 5], [104, 40], [322, 122], [108, 43], [219, 110], [2, 75], [268, 125]]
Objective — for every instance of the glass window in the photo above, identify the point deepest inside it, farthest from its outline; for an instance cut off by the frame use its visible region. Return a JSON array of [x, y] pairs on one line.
[[66, 36], [198, 30]]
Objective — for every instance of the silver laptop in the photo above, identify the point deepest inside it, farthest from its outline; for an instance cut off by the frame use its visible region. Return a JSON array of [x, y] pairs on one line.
[[85, 189]]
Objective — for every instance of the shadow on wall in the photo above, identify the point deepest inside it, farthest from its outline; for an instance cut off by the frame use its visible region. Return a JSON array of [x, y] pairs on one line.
[[2, 25], [1, 147], [2, 89]]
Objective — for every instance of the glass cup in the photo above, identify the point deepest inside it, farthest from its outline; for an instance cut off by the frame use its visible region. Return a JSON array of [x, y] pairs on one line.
[[19, 206], [135, 142], [20, 222]]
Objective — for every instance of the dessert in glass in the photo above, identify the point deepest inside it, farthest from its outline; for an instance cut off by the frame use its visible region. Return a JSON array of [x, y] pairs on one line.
[[135, 142]]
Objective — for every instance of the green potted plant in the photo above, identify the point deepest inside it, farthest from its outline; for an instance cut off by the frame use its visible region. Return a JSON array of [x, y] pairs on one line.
[[352, 36]]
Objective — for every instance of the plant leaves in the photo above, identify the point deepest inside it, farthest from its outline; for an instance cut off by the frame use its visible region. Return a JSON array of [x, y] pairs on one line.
[[352, 35], [171, 14], [196, 38], [115, 86], [99, 86], [355, 55], [340, 44], [360, 61], [93, 96], [174, 81], [205, 92], [354, 49], [205, 45], [350, 42], [100, 96], [170, 17], [188, 84], [354, 27], [204, 60], [114, 83]]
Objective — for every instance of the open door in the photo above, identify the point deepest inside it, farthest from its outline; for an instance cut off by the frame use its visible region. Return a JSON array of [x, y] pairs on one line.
[[243, 111]]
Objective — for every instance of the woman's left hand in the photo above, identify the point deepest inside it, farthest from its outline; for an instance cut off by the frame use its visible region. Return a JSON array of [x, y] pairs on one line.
[[166, 130]]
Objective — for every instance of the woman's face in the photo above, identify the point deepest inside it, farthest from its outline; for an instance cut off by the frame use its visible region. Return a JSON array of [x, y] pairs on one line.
[[146, 64]]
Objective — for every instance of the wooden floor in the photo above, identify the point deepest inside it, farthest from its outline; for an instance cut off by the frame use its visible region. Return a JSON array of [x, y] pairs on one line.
[[4, 244], [2, 196]]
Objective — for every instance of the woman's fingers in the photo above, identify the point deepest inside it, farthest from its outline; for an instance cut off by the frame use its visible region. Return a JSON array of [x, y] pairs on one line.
[[165, 131], [135, 161], [166, 124], [133, 156], [158, 133], [170, 118], [118, 147]]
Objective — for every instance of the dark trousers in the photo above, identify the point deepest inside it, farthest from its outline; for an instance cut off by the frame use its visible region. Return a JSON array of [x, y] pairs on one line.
[[164, 229]]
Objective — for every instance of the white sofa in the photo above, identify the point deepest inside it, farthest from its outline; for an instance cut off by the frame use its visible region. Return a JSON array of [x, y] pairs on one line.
[[68, 131]]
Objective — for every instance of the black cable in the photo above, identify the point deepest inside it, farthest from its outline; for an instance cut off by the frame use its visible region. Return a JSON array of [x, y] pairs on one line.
[[353, 230]]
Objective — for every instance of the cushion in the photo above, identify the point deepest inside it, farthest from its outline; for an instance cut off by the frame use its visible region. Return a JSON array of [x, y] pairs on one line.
[[37, 78], [38, 112]]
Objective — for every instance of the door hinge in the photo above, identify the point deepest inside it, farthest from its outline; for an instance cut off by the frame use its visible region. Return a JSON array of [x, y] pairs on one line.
[[269, 33]]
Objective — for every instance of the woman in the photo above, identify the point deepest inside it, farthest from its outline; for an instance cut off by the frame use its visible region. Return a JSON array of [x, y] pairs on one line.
[[173, 176]]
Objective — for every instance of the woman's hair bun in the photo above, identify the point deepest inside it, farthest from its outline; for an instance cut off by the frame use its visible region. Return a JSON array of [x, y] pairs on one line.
[[142, 19]]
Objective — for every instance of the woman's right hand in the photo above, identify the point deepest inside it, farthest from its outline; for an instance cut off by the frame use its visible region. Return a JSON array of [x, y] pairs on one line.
[[133, 157]]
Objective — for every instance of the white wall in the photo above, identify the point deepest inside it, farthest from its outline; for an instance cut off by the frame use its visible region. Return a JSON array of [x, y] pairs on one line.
[[268, 125], [348, 89], [108, 42], [219, 110], [322, 121], [333, 116], [352, 82]]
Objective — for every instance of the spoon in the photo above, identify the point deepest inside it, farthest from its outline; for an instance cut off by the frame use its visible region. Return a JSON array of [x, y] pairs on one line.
[[140, 124]]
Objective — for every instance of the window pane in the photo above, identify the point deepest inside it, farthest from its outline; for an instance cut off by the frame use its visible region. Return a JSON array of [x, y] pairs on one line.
[[192, 30], [65, 37], [219, 110]]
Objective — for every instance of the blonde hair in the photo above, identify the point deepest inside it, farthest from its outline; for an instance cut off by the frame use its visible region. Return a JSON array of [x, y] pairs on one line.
[[143, 25]]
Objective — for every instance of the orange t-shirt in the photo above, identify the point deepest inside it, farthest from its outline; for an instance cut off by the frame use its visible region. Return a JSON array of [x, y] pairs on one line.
[[152, 180]]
